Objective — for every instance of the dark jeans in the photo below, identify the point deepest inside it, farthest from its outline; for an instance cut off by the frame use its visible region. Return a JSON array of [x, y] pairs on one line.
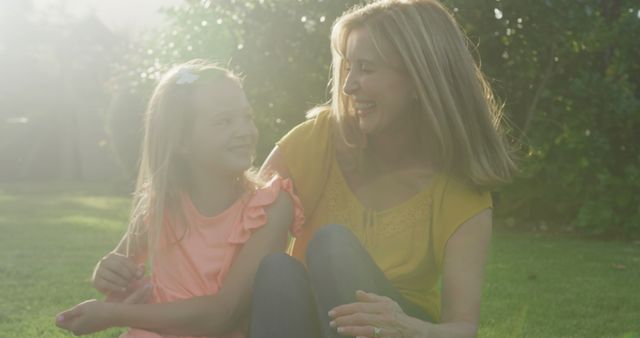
[[289, 301]]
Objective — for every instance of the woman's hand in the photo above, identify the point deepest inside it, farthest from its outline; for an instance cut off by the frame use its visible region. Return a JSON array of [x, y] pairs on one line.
[[115, 273], [92, 315], [375, 316]]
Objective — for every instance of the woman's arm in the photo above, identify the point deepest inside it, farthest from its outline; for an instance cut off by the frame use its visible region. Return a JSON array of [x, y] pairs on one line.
[[204, 315], [465, 256], [464, 261], [275, 163]]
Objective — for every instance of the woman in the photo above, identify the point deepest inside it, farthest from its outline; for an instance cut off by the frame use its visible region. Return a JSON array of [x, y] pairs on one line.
[[399, 163]]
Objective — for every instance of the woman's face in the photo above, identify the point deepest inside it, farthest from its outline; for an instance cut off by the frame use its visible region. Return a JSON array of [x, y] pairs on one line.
[[223, 138], [381, 95]]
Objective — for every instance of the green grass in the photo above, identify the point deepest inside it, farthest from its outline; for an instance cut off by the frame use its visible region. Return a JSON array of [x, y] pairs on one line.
[[51, 237], [536, 285], [549, 286]]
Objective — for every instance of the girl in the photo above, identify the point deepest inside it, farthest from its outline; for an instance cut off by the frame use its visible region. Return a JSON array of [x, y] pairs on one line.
[[395, 176], [203, 218]]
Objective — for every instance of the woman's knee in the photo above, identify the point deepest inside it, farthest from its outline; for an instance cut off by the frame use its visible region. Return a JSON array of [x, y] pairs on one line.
[[282, 300], [330, 244], [277, 270]]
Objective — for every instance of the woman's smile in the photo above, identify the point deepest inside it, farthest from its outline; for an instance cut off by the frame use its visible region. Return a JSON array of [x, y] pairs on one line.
[[364, 107]]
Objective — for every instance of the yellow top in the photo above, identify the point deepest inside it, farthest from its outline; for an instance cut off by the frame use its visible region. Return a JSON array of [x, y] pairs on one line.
[[407, 241]]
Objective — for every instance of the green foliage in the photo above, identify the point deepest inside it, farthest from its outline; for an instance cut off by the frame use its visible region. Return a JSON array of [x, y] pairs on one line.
[[567, 72], [569, 75]]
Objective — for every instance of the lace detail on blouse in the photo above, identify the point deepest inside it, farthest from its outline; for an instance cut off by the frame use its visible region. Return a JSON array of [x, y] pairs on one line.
[[369, 224]]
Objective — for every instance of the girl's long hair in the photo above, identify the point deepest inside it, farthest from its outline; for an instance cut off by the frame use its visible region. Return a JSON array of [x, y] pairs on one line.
[[162, 174]]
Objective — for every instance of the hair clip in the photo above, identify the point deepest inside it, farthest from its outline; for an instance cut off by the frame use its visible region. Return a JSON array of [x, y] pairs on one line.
[[185, 76]]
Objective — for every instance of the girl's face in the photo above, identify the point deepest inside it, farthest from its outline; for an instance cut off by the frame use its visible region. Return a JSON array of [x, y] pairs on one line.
[[381, 94], [223, 137]]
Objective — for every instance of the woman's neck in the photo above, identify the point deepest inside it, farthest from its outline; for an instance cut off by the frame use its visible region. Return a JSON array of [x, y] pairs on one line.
[[396, 145], [211, 193]]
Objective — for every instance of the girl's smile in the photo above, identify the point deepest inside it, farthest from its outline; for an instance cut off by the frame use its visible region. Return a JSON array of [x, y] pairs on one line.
[[224, 136]]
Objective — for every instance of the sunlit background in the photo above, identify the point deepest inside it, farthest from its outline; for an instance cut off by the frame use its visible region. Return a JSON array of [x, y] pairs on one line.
[[75, 76], [117, 15], [57, 58]]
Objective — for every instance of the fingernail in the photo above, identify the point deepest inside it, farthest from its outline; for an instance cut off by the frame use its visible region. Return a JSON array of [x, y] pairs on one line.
[[332, 323], [332, 313], [340, 330], [60, 318]]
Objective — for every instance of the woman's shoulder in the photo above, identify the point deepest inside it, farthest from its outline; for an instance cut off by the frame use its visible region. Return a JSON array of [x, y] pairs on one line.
[[307, 152], [451, 188], [455, 201], [311, 132]]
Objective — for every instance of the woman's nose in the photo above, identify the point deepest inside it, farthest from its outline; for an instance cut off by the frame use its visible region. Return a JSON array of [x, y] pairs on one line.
[[350, 84]]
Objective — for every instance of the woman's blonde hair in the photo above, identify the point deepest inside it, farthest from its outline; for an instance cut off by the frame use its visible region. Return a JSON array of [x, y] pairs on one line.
[[458, 118], [162, 176]]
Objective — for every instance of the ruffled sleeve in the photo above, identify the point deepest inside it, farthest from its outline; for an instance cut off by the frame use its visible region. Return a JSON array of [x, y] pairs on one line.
[[254, 216]]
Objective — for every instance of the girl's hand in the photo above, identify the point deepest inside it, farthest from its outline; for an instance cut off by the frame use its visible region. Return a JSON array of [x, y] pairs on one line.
[[87, 317], [375, 316], [115, 273], [93, 315]]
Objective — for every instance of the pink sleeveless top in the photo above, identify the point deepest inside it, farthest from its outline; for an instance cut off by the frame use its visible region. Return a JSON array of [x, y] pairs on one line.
[[198, 264]]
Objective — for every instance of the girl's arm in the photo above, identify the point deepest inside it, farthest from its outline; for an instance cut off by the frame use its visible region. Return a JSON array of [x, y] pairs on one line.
[[198, 316]]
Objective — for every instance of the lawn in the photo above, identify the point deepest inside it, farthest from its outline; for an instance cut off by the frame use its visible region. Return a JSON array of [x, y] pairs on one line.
[[537, 285]]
